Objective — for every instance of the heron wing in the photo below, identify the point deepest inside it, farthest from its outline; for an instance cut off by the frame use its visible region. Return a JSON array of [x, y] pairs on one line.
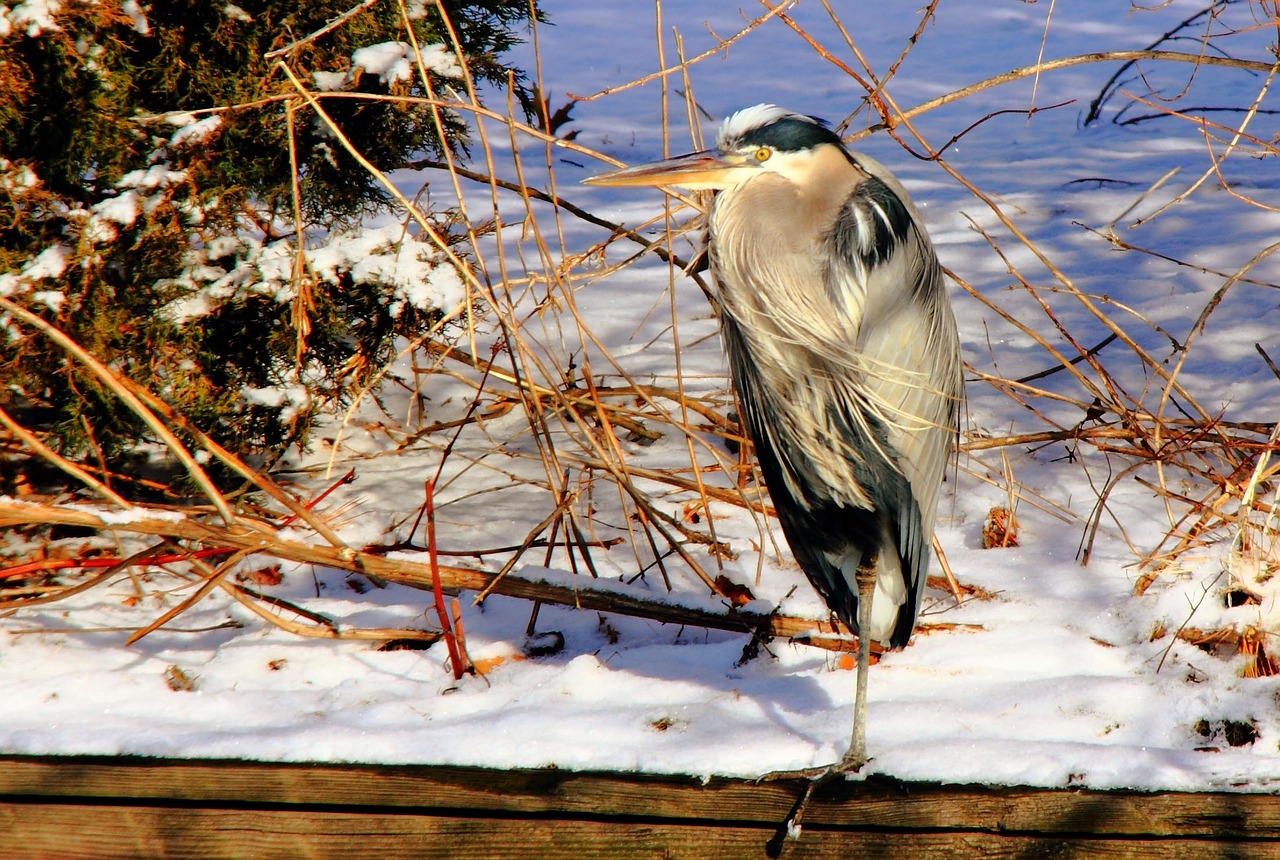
[[909, 383], [834, 503]]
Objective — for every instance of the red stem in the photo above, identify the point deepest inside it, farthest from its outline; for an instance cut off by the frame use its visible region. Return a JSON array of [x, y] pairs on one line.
[[455, 660]]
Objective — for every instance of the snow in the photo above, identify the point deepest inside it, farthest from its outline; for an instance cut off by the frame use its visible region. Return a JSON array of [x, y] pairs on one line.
[[52, 299], [395, 61], [295, 398], [32, 17], [134, 11], [192, 130], [441, 288], [49, 263], [439, 59], [1054, 680], [123, 209], [17, 178], [375, 253], [329, 82], [156, 176]]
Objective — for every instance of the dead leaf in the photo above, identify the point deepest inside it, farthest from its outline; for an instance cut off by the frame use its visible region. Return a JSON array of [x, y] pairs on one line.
[[1000, 530], [178, 680], [737, 595]]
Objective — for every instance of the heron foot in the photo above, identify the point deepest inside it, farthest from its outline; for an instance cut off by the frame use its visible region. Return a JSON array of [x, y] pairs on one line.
[[814, 777], [852, 762], [809, 773]]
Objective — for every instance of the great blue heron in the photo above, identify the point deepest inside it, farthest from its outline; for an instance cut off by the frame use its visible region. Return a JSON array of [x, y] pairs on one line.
[[843, 350]]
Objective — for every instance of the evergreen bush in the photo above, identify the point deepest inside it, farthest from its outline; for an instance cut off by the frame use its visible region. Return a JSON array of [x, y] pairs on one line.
[[147, 206]]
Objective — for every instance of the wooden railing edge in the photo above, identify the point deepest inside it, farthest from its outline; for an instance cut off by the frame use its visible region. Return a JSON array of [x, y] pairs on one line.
[[440, 789]]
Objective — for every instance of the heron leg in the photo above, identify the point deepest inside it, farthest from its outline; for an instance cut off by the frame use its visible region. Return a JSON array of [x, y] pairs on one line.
[[856, 756]]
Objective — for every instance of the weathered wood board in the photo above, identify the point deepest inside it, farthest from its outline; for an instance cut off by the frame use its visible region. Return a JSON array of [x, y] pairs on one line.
[[69, 807]]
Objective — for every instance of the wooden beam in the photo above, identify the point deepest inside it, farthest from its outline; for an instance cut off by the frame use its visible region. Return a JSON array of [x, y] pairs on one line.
[[69, 807], [108, 833]]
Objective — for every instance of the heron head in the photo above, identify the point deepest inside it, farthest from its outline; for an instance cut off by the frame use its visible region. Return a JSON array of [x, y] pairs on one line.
[[763, 138]]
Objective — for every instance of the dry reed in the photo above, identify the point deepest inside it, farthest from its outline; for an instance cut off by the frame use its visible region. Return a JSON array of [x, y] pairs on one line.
[[553, 412]]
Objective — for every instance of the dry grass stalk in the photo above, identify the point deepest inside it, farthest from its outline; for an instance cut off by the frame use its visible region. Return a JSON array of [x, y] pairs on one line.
[[116, 383], [259, 537], [583, 410]]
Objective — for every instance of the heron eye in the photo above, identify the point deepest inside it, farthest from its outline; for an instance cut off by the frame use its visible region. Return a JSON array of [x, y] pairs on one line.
[[763, 153]]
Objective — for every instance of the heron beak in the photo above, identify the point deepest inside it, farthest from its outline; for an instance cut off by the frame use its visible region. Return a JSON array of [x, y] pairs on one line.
[[697, 170]]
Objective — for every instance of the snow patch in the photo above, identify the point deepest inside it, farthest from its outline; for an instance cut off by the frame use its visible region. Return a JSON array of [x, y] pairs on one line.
[[388, 60], [393, 62], [134, 10], [289, 399], [156, 176], [32, 17], [195, 131]]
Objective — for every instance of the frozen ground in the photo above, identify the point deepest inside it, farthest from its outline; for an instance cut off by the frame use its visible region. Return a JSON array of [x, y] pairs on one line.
[[1052, 681]]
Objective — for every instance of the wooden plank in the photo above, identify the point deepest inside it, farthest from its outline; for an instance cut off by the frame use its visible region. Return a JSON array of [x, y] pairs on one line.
[[865, 804], [93, 806], [494, 791], [59, 832], [1021, 809]]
